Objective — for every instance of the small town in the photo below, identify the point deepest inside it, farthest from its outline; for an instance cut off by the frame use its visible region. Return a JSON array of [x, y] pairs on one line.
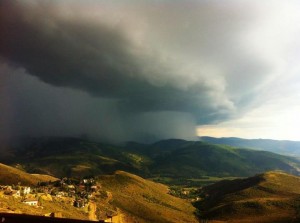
[[80, 191]]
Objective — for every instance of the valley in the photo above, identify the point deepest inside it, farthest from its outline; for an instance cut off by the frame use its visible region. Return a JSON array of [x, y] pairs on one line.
[[167, 181]]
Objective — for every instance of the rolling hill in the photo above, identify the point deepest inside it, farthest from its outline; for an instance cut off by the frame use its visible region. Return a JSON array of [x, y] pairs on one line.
[[140, 200], [69, 157], [286, 147], [174, 158], [269, 197], [10, 175], [124, 196], [196, 159]]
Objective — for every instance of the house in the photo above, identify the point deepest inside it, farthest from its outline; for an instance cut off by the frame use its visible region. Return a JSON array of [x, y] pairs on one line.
[[7, 188], [79, 203], [71, 186], [61, 194], [111, 218], [185, 192], [31, 202], [94, 188], [81, 187], [26, 190]]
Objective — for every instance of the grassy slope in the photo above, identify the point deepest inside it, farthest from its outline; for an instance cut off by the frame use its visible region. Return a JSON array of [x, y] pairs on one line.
[[198, 158], [145, 201], [74, 157], [135, 198], [10, 204], [269, 197], [10, 175]]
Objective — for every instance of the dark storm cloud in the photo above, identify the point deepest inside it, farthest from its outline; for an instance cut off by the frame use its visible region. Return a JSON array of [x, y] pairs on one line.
[[163, 64], [39, 109], [95, 57], [65, 53], [33, 108]]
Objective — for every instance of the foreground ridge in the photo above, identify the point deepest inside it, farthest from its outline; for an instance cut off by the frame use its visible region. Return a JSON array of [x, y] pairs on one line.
[[21, 218]]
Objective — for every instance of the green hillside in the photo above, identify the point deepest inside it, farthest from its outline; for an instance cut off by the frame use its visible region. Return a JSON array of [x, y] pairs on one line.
[[198, 158], [72, 157], [269, 197], [175, 159]]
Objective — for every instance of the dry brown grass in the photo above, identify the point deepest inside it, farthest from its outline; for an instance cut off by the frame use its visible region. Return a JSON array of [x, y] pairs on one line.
[[10, 175], [9, 204], [145, 201], [133, 198], [270, 197], [44, 177]]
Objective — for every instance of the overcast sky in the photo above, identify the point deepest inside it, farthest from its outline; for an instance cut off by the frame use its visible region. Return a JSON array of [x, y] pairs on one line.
[[148, 70]]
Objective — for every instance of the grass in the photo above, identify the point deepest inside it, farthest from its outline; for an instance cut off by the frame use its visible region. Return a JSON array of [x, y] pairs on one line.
[[132, 198], [271, 197], [14, 205], [10, 175], [193, 182], [146, 201], [177, 159]]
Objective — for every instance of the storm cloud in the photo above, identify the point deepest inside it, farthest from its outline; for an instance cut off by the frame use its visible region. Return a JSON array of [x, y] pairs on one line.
[[126, 69]]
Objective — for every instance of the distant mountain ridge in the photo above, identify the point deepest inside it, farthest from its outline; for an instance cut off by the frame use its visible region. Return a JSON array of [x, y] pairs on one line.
[[285, 147], [173, 158]]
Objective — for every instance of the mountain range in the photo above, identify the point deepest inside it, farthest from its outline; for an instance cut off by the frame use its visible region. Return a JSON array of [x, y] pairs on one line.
[[285, 147], [174, 158]]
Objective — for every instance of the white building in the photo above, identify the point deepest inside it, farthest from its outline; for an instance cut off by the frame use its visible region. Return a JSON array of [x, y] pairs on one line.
[[26, 190], [31, 202]]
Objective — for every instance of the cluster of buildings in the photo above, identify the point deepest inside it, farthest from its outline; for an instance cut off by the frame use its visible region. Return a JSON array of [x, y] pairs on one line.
[[76, 192], [19, 192], [79, 190]]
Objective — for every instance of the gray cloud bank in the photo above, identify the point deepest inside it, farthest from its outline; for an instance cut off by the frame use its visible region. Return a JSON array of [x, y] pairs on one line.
[[124, 70]]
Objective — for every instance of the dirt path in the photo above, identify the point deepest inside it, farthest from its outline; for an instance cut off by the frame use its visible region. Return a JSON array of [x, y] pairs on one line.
[[120, 217], [109, 196], [92, 211]]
